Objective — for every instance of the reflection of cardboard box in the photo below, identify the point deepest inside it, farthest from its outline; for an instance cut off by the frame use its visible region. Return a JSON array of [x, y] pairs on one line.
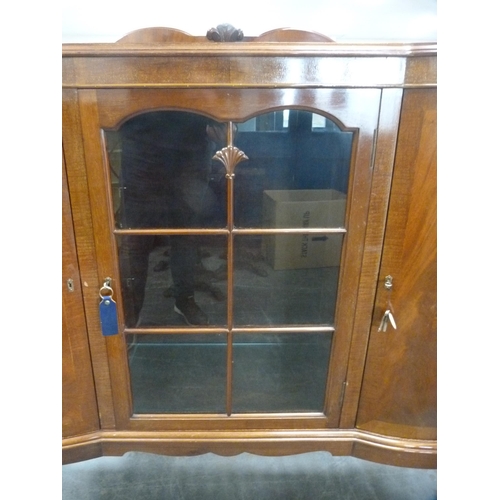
[[311, 208]]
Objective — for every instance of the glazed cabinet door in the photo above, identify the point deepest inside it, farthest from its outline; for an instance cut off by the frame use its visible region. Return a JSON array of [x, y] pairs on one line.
[[228, 230], [398, 396]]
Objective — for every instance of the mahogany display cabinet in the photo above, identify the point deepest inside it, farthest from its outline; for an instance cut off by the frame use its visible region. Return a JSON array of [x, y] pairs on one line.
[[249, 246]]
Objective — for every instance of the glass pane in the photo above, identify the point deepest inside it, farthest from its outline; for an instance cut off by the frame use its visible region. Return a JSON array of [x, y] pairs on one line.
[[162, 171], [178, 373], [286, 279], [164, 177], [159, 272], [280, 373], [297, 172]]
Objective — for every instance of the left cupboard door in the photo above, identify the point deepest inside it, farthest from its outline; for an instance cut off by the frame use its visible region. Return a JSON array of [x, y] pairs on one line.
[[79, 405]]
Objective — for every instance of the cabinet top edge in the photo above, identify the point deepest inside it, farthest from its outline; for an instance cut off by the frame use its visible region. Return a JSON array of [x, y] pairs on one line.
[[264, 49]]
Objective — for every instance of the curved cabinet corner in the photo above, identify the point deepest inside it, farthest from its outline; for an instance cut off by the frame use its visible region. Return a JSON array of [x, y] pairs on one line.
[[398, 396]]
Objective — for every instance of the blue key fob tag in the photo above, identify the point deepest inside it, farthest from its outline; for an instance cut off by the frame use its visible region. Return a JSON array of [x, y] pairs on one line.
[[109, 317]]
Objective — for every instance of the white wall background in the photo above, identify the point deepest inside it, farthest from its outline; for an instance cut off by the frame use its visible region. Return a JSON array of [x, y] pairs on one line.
[[342, 20]]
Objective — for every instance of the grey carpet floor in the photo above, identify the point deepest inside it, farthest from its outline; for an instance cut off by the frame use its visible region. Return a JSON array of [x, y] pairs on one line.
[[308, 476]]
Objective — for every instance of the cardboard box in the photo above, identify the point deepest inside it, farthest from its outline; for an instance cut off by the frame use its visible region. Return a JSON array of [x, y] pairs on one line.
[[311, 208]]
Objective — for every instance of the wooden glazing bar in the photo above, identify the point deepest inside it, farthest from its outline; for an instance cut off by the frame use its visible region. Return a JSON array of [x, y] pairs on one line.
[[177, 330], [230, 277], [215, 329], [230, 289], [224, 232], [169, 232], [285, 329], [295, 230]]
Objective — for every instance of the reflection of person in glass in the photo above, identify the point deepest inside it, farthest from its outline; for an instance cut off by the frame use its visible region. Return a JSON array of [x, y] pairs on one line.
[[165, 163]]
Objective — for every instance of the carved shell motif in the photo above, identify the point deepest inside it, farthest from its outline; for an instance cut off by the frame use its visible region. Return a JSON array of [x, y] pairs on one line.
[[225, 33], [230, 156]]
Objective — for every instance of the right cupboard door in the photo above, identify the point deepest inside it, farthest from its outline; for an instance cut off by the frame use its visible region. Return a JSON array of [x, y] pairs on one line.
[[398, 396]]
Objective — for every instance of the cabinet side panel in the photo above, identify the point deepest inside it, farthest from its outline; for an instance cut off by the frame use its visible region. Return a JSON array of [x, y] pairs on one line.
[[398, 396], [79, 401]]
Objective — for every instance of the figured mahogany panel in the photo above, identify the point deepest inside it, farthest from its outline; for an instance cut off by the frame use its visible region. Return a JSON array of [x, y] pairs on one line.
[[79, 401], [398, 396]]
